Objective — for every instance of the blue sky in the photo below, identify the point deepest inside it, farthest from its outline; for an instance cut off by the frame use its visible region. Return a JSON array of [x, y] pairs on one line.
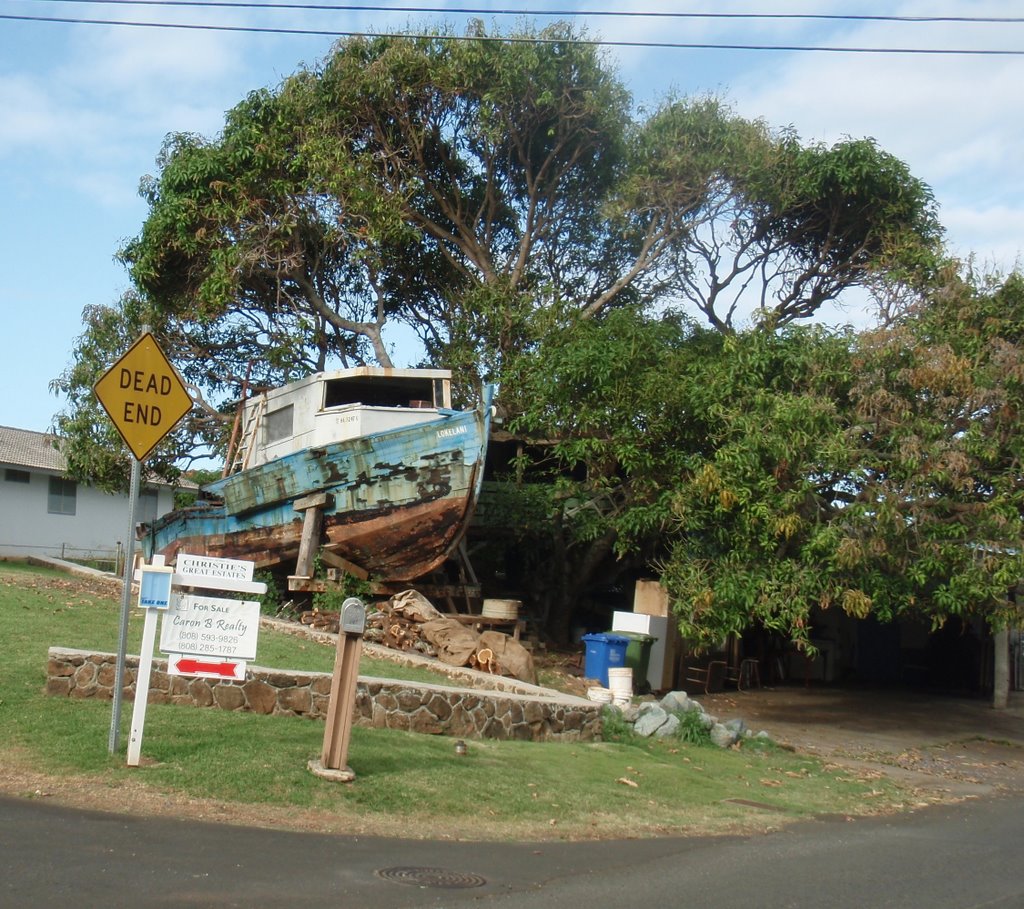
[[84, 110]]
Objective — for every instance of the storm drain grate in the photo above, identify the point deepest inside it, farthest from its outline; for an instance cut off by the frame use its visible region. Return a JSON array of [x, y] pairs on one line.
[[440, 878]]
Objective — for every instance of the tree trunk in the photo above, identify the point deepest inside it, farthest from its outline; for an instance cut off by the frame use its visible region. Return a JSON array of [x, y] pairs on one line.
[[1000, 669], [560, 595], [576, 571]]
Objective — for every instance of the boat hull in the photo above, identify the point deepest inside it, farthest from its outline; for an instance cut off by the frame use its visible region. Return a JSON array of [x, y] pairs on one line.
[[398, 502]]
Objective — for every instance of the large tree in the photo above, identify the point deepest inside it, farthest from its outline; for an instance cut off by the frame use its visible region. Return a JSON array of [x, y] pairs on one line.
[[938, 398], [606, 405], [778, 228], [718, 459], [880, 475], [456, 187]]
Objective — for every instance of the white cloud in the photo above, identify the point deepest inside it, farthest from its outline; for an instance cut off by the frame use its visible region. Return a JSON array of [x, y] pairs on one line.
[[30, 117], [950, 118], [134, 60], [996, 234]]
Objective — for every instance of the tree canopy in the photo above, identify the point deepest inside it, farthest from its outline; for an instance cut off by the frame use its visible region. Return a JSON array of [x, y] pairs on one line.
[[879, 474], [452, 187], [480, 194], [771, 474]]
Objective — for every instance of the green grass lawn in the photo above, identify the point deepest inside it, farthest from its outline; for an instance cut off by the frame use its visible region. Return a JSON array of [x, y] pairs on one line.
[[250, 767]]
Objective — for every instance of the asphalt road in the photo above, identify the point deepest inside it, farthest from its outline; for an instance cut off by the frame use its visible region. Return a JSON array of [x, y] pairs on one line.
[[966, 855]]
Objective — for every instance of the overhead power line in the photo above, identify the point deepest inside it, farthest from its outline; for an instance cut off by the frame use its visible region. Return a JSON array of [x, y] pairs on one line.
[[514, 39], [551, 13]]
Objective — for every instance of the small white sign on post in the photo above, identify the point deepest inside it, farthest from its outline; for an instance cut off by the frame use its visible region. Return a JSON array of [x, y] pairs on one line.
[[208, 572], [155, 587], [210, 637]]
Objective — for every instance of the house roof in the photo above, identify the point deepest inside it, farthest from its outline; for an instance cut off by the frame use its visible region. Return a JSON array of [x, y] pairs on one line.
[[24, 448], [36, 450]]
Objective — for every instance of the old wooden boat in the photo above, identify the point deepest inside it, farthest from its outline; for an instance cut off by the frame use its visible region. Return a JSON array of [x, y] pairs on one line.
[[394, 471]]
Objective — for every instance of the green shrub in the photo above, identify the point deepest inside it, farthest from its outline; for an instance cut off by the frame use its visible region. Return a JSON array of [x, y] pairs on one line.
[[270, 602], [692, 728], [347, 586], [332, 600], [614, 727]]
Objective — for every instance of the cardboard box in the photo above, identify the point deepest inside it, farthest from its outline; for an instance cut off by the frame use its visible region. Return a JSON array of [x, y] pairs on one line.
[[650, 598]]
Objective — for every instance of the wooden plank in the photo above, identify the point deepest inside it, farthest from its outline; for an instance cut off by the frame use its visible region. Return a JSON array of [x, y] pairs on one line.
[[432, 591], [317, 500], [336, 561], [519, 624], [341, 707], [312, 523], [302, 583]]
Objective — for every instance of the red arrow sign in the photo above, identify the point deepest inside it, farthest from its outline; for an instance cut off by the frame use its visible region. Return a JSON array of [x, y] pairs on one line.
[[228, 670]]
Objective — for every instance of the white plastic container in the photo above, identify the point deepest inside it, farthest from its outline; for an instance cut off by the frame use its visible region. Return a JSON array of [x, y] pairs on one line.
[[620, 681], [600, 695]]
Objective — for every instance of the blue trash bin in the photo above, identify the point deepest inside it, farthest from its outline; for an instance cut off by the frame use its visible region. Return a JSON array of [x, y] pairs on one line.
[[603, 652]]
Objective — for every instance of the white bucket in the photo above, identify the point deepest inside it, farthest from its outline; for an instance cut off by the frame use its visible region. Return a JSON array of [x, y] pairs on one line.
[[599, 694], [621, 681], [501, 609]]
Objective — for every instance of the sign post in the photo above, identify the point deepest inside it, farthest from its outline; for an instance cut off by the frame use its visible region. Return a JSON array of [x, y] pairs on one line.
[[126, 602], [154, 597], [145, 398]]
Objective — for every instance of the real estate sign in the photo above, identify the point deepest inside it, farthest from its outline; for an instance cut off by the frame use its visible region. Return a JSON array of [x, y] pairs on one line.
[[204, 636], [206, 571], [211, 626]]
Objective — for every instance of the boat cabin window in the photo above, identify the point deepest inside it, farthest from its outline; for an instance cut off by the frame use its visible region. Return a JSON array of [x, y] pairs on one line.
[[376, 391], [279, 423]]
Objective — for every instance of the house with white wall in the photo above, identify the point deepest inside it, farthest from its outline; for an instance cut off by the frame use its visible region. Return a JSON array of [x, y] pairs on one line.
[[45, 513]]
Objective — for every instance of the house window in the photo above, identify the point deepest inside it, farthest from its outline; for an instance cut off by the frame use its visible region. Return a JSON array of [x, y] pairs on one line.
[[148, 500], [279, 423], [13, 475], [63, 494]]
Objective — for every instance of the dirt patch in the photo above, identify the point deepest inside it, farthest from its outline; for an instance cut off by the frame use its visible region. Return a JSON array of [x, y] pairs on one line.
[[71, 586], [944, 746]]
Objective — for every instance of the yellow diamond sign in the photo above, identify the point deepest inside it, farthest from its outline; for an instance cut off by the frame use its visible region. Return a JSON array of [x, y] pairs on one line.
[[144, 396]]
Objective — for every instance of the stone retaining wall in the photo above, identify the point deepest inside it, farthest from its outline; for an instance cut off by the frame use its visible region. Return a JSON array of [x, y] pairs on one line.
[[380, 703]]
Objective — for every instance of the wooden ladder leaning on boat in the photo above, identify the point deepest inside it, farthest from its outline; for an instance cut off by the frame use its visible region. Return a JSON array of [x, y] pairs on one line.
[[240, 458]]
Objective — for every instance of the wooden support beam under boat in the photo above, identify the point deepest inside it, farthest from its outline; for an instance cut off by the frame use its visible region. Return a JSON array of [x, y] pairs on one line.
[[317, 500], [312, 523], [384, 588], [336, 561]]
